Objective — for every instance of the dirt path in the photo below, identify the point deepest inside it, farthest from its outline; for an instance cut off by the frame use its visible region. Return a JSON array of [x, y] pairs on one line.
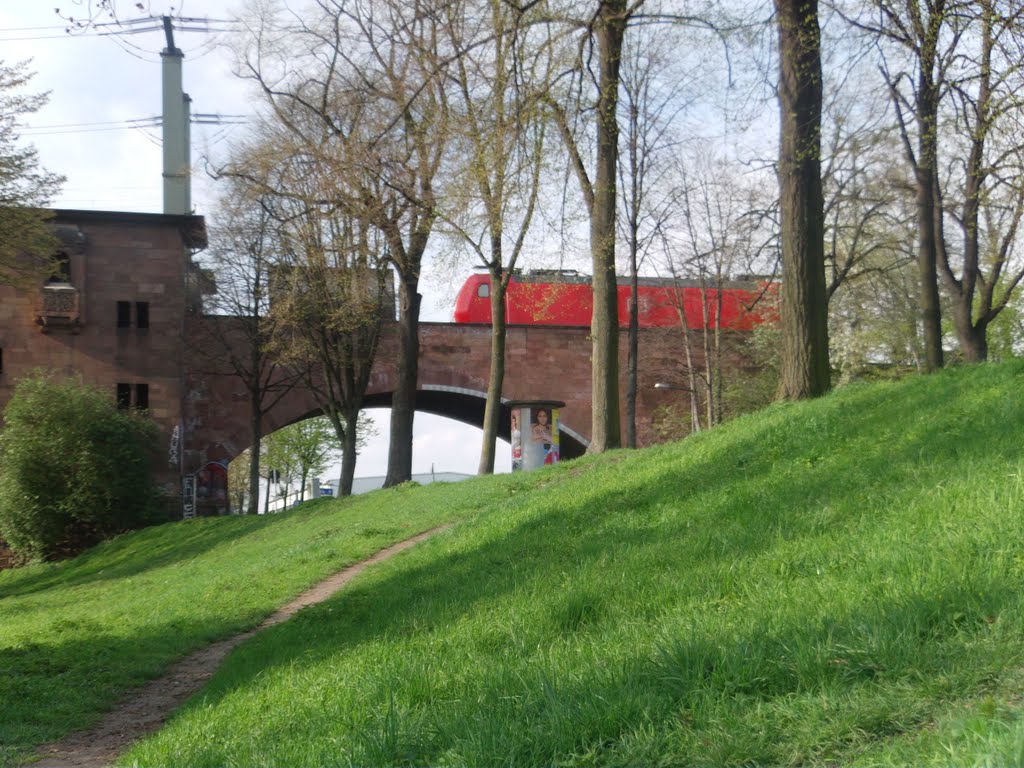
[[147, 708]]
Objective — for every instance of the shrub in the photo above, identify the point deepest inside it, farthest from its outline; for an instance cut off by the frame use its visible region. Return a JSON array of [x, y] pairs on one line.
[[73, 468]]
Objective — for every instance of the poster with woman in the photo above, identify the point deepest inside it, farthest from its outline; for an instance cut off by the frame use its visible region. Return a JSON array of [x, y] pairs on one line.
[[533, 433]]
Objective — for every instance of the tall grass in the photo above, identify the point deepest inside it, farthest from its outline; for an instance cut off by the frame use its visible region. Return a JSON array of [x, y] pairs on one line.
[[830, 582]]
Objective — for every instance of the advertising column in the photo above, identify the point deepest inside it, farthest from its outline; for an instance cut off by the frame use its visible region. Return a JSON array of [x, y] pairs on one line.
[[534, 433]]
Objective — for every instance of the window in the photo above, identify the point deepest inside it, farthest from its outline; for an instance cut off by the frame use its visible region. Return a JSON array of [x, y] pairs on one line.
[[1, 359], [124, 396], [483, 290], [124, 314], [142, 396]]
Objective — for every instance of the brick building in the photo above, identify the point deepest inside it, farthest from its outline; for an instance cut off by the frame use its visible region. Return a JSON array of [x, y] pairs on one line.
[[115, 315]]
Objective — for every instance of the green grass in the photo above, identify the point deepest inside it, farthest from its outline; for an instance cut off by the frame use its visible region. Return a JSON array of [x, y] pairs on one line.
[[75, 635], [835, 582]]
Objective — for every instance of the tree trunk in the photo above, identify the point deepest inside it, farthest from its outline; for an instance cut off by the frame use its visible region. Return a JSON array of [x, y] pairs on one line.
[[709, 374], [805, 366], [974, 346], [717, 367], [966, 299], [403, 401], [348, 455], [492, 409], [606, 431], [256, 429], [691, 370], [931, 312], [927, 179], [634, 349], [973, 337]]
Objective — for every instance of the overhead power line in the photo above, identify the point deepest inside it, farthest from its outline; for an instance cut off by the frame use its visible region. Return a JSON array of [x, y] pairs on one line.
[[133, 121], [119, 125], [137, 26]]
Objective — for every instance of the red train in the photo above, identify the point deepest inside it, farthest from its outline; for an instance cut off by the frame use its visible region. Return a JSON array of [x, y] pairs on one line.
[[560, 297]]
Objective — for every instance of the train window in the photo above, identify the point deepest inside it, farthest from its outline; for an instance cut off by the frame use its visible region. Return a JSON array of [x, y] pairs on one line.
[[483, 290]]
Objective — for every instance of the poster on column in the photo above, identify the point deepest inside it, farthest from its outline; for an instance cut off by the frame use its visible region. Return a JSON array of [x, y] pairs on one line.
[[540, 445], [516, 436]]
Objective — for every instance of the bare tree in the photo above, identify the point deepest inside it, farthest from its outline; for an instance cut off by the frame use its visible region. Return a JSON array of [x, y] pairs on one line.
[[359, 88], [27, 245], [870, 227], [987, 99], [236, 338], [330, 295], [923, 31], [605, 30], [652, 99], [710, 237], [498, 136], [954, 76]]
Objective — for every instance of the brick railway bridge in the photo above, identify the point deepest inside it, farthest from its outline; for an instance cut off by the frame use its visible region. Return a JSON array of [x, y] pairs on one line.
[[542, 362]]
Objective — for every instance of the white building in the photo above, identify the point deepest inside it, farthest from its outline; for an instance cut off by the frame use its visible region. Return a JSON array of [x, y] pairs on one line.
[[315, 488]]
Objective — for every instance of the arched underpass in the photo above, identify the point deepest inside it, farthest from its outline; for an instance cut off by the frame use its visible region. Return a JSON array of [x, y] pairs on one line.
[[467, 407]]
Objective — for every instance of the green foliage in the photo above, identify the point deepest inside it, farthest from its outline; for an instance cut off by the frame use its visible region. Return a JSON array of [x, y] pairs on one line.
[[300, 450], [73, 469], [238, 482], [757, 383], [311, 443], [26, 243], [307, 448]]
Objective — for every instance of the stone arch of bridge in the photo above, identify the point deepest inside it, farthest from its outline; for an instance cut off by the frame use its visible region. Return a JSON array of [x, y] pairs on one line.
[[454, 367], [466, 406]]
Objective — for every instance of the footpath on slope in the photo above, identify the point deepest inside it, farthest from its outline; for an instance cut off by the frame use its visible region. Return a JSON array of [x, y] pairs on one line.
[[146, 709]]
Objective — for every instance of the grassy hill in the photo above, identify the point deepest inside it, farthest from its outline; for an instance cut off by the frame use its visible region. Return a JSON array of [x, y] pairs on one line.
[[835, 582]]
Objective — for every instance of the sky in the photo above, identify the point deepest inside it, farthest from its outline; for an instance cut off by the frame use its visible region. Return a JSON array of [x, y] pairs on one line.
[[104, 89]]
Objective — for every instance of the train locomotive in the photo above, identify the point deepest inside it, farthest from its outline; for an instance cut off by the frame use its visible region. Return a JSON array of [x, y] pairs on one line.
[[564, 297]]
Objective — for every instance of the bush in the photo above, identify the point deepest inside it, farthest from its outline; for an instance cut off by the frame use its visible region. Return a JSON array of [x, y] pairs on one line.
[[74, 470]]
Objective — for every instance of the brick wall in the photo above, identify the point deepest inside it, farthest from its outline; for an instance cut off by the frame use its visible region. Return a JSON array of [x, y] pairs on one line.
[[113, 257], [542, 362], [6, 556]]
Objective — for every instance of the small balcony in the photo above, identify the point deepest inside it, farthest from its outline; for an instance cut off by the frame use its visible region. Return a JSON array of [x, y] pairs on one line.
[[59, 307]]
